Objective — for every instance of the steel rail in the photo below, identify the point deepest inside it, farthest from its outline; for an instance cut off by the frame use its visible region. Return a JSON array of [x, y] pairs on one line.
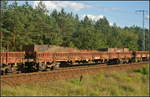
[[64, 73]]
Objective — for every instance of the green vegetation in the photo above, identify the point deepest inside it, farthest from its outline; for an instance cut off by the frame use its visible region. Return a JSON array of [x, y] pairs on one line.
[[23, 25], [143, 70], [116, 83]]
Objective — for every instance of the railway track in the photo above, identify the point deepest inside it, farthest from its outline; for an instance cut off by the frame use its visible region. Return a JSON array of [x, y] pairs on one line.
[[63, 73]]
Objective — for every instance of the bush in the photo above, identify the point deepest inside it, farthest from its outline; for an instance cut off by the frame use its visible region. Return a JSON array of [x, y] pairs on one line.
[[144, 70]]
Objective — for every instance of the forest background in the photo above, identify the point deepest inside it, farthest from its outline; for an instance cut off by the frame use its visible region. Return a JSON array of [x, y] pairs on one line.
[[23, 25]]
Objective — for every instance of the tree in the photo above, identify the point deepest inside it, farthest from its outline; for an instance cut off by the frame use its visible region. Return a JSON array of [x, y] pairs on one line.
[[23, 25]]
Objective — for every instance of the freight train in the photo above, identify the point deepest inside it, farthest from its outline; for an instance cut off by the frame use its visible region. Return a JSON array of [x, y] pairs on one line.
[[42, 58]]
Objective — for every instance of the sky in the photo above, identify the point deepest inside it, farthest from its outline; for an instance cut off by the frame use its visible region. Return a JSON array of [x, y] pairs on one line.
[[123, 13]]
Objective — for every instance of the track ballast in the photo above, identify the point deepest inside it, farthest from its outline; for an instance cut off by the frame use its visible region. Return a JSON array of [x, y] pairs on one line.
[[63, 73]]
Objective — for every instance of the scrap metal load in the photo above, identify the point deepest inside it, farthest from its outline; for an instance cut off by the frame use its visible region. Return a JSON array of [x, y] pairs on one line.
[[48, 48], [45, 57]]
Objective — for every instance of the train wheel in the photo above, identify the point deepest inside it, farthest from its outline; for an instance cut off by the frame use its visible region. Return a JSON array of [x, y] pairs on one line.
[[121, 61], [42, 67], [14, 70], [1, 72], [7, 71], [56, 66], [118, 61]]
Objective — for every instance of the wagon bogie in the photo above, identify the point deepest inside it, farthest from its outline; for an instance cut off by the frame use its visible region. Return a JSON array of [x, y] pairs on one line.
[[10, 61], [10, 68]]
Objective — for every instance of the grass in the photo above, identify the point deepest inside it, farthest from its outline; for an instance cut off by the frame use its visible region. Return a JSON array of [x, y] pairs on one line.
[[116, 83]]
